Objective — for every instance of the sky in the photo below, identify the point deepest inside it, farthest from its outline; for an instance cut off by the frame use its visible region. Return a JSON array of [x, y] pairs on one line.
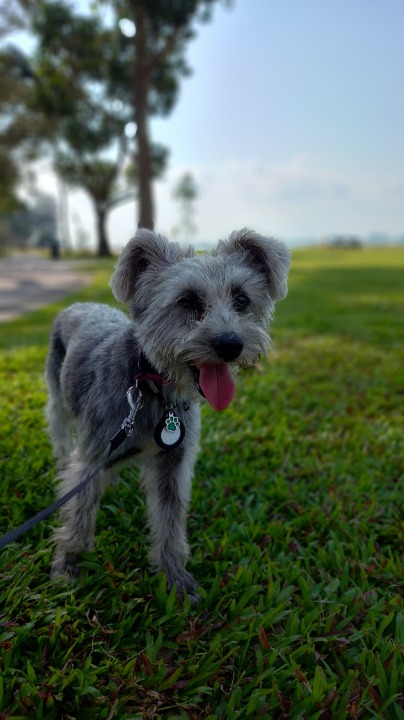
[[292, 123]]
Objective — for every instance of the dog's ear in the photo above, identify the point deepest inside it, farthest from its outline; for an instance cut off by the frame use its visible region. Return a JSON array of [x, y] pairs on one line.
[[264, 254], [146, 250]]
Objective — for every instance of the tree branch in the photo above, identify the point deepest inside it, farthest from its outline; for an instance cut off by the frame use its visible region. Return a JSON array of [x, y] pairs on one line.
[[159, 58], [124, 197]]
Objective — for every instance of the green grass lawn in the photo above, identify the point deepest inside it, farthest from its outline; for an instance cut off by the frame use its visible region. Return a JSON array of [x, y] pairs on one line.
[[296, 528]]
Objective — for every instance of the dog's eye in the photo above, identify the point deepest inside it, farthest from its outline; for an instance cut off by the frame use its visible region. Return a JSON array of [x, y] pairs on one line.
[[241, 301], [193, 304]]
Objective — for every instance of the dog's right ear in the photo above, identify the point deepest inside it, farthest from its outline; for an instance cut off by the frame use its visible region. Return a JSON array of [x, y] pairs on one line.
[[267, 255], [145, 251]]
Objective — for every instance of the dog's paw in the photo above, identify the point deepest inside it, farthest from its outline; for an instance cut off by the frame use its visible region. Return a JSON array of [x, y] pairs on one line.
[[65, 567], [185, 583]]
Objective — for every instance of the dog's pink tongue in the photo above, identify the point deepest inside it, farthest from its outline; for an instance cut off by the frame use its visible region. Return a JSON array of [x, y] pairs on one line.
[[217, 385]]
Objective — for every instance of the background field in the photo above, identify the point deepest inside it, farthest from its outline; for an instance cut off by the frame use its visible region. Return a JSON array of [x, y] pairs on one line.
[[296, 528]]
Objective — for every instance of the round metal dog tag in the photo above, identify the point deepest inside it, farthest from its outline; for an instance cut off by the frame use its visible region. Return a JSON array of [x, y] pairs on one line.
[[169, 431]]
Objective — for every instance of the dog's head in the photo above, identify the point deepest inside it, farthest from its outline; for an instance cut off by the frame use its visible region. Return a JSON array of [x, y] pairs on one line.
[[198, 315]]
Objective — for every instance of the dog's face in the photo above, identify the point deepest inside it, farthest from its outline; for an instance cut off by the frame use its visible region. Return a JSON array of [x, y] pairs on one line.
[[197, 316]]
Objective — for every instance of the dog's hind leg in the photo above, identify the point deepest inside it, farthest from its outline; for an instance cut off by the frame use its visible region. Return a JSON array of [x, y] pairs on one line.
[[167, 480], [59, 419], [76, 532]]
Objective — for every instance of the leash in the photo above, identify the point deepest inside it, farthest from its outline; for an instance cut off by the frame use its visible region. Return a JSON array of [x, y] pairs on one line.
[[13, 535], [169, 433], [115, 442]]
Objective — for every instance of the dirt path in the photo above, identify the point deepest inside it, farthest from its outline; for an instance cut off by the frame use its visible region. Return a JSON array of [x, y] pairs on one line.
[[27, 283]]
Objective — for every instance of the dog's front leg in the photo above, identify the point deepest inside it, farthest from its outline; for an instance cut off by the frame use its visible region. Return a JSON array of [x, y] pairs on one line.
[[167, 480]]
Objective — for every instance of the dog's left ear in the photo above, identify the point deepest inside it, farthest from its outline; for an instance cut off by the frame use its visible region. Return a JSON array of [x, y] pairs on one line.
[[264, 254], [146, 251]]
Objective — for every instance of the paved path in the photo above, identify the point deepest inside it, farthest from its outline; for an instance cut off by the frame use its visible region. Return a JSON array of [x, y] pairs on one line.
[[29, 282]]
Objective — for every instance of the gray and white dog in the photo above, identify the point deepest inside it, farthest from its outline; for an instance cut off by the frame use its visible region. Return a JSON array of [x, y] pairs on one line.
[[127, 390]]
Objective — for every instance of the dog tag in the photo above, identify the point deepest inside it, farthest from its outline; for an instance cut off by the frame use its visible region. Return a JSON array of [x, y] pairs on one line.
[[169, 431]]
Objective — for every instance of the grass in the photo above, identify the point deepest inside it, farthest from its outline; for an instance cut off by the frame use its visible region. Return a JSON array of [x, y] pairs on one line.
[[296, 528]]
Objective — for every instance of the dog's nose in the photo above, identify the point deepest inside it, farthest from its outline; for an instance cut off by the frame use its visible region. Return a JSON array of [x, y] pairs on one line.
[[228, 346]]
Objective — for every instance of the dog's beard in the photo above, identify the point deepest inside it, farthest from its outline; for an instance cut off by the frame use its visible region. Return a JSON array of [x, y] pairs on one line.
[[194, 366]]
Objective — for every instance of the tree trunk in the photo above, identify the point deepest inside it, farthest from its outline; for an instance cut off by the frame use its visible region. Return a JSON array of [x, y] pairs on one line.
[[141, 94], [102, 241], [63, 212]]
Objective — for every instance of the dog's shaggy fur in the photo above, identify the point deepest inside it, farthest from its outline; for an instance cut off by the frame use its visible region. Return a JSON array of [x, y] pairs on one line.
[[194, 318]]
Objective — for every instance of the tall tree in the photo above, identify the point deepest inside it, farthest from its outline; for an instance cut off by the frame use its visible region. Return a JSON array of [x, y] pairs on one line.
[[162, 29], [72, 64], [9, 178], [89, 82], [14, 97], [67, 105]]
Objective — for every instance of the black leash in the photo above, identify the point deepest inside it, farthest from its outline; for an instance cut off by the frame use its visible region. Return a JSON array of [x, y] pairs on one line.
[[13, 535], [145, 373], [115, 442]]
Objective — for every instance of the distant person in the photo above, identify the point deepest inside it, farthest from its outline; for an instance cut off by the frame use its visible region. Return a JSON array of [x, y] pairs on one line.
[[55, 249]]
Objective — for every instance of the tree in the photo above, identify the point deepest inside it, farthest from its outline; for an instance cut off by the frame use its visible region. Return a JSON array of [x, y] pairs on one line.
[[9, 178], [12, 16], [82, 87], [67, 106], [13, 101], [73, 64], [9, 201], [186, 192], [98, 177], [163, 28], [88, 82], [13, 98]]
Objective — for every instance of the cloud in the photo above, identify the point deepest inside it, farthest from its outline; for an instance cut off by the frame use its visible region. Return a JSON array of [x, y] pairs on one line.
[[299, 198]]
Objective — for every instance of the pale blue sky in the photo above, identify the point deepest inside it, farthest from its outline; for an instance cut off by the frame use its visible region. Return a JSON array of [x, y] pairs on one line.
[[292, 122], [275, 78]]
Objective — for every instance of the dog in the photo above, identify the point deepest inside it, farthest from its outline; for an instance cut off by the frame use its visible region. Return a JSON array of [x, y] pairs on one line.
[[128, 390]]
